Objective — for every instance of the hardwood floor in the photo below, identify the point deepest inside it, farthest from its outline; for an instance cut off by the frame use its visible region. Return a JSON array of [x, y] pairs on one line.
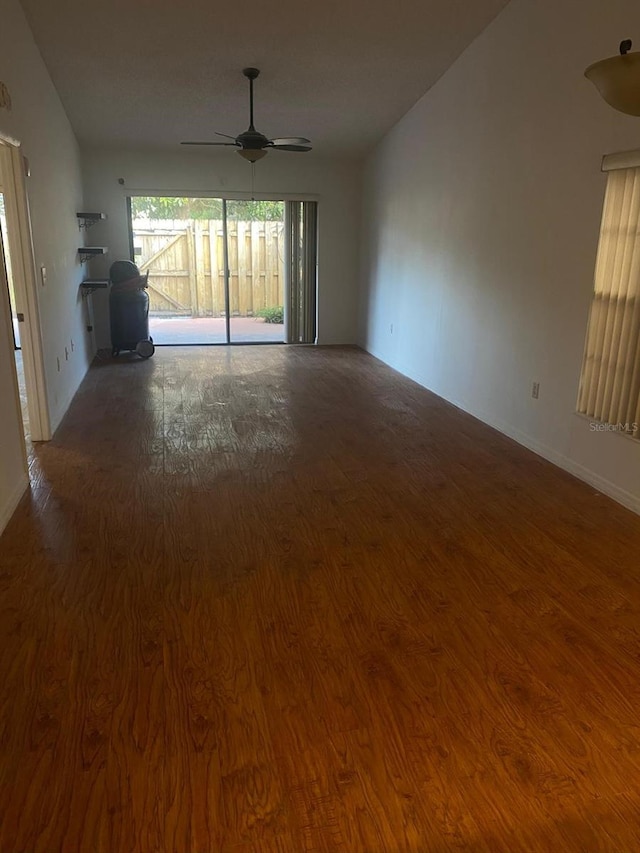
[[283, 599]]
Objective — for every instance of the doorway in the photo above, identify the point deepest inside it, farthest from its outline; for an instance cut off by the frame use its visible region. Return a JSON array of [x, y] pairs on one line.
[[7, 276], [17, 275], [216, 268]]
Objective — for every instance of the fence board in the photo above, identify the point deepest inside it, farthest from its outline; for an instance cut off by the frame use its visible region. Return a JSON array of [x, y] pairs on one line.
[[193, 293], [257, 264], [200, 289], [215, 263], [220, 303], [241, 267]]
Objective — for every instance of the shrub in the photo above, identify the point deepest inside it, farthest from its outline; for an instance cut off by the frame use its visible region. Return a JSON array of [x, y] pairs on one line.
[[274, 314]]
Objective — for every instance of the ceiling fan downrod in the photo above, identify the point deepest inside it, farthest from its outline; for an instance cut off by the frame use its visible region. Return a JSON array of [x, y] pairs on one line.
[[251, 74]]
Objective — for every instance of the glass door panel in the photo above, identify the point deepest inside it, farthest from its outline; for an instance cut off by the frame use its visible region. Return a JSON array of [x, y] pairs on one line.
[[255, 234], [179, 242]]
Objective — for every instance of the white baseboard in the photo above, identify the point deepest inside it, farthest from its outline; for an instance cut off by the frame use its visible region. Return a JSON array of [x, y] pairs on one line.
[[14, 499], [62, 408], [603, 485]]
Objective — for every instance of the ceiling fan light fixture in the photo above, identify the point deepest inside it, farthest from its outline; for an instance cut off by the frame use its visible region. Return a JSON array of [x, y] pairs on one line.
[[617, 79], [252, 154]]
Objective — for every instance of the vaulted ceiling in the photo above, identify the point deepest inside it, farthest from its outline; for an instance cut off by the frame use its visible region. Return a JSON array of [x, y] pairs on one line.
[[142, 73]]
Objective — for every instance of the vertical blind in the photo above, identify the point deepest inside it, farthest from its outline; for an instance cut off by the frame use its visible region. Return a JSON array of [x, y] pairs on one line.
[[301, 246], [610, 380]]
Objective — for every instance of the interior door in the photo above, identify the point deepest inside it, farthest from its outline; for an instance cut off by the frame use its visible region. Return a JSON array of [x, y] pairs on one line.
[[8, 276]]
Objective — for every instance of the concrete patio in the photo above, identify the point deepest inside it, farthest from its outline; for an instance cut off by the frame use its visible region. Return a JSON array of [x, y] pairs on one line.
[[212, 330]]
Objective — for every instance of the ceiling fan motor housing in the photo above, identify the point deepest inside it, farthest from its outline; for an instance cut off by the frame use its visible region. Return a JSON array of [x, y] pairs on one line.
[[252, 139]]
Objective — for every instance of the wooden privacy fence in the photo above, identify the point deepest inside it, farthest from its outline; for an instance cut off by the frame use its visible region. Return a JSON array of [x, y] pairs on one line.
[[185, 261]]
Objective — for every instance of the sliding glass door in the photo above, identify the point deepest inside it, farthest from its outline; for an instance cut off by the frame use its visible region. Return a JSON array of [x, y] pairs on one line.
[[226, 271], [215, 268]]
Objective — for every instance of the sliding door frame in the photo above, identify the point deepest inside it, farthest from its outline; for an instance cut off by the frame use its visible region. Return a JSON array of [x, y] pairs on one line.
[[130, 193], [227, 270]]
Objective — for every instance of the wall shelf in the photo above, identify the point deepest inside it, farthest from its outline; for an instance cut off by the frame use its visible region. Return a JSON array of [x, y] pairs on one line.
[[89, 285], [86, 219], [87, 252]]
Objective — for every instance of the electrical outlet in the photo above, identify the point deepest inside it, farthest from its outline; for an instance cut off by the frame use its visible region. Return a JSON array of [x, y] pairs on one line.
[[58, 363], [66, 354], [535, 390], [43, 275]]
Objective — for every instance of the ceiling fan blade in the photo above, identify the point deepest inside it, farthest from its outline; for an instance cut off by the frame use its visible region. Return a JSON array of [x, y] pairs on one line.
[[290, 140], [291, 147], [224, 134], [233, 144]]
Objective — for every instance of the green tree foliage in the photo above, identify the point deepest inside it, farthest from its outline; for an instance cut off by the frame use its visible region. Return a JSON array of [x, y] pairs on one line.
[[174, 207]]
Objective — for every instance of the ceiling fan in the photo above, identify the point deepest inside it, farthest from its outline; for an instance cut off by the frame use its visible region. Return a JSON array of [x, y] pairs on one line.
[[253, 145]]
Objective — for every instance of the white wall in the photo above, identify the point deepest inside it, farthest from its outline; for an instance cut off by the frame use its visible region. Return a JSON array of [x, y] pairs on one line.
[[39, 122], [481, 217], [336, 183]]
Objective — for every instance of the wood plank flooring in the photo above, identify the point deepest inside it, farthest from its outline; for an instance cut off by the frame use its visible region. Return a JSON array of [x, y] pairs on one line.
[[283, 599]]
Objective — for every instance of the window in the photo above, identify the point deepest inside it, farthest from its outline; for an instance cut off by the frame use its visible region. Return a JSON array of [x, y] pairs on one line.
[[610, 379]]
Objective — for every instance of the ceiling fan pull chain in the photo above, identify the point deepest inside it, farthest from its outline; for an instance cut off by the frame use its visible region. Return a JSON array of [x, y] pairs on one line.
[[253, 178]]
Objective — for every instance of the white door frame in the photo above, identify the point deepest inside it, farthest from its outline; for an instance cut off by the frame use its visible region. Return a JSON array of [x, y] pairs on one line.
[[5, 306], [20, 245]]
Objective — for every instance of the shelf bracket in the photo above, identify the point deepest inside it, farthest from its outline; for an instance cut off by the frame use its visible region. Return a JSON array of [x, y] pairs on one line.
[[87, 220]]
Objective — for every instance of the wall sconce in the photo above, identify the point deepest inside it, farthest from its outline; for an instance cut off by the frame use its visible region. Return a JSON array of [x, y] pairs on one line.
[[618, 79]]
